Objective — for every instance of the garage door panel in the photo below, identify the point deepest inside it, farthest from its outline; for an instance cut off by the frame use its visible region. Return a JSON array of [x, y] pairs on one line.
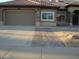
[[17, 17]]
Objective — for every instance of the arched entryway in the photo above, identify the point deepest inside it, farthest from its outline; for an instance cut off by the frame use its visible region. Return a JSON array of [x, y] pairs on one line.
[[75, 20]]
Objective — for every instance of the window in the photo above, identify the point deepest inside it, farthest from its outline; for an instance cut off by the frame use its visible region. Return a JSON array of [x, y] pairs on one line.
[[47, 16]]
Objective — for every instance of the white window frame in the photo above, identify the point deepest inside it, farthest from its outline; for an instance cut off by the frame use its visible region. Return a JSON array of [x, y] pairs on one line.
[[48, 19]]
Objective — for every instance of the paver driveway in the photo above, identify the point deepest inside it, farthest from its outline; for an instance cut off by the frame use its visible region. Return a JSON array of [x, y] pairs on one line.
[[21, 42]]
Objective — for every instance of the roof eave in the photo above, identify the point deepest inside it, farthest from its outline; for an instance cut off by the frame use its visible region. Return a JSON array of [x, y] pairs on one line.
[[34, 6], [72, 5]]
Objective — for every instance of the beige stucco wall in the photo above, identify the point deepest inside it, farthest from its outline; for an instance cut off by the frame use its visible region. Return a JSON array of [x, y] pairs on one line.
[[48, 24], [71, 9], [0, 16], [37, 17]]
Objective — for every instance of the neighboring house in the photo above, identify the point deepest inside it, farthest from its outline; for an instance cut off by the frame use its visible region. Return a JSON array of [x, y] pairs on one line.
[[38, 13]]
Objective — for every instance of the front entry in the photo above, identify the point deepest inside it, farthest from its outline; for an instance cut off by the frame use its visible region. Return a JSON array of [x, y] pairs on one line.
[[75, 20]]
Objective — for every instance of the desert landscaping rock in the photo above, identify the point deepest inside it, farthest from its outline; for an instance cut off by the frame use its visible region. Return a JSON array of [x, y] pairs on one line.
[[75, 37]]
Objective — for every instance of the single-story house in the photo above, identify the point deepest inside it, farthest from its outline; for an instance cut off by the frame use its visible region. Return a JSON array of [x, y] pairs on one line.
[[39, 13]]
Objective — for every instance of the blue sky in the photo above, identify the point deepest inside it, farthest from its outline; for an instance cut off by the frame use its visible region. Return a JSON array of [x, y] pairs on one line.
[[4, 0]]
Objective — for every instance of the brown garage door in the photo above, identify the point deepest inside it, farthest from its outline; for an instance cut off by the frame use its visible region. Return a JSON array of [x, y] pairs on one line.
[[20, 17]]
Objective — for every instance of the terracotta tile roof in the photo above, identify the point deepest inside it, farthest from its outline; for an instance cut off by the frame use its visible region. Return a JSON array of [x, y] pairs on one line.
[[73, 4], [34, 3]]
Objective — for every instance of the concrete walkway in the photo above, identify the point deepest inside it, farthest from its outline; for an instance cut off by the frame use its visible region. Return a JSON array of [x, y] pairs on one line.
[[21, 42]]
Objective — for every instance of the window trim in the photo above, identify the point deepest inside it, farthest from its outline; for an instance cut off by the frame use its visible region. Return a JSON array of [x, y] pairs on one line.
[[48, 19]]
